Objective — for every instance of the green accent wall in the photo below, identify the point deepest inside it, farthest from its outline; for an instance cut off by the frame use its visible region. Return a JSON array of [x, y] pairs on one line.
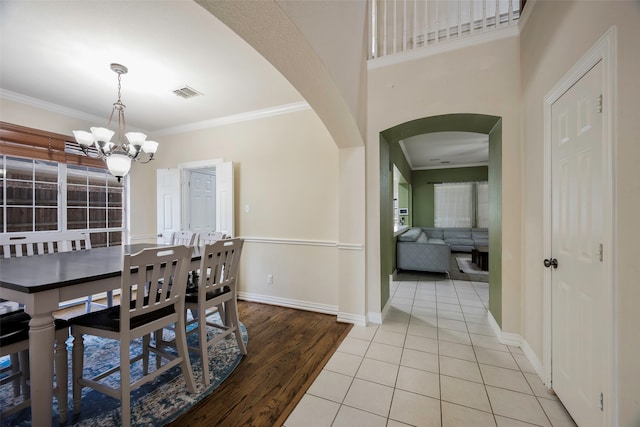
[[495, 222], [387, 248], [423, 181]]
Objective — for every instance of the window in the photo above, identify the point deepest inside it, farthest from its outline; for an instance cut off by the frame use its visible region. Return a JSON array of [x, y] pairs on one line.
[[461, 204], [43, 188]]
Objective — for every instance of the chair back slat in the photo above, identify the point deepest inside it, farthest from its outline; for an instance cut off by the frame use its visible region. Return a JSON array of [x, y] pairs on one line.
[[220, 261], [187, 238], [159, 276], [43, 242], [211, 237]]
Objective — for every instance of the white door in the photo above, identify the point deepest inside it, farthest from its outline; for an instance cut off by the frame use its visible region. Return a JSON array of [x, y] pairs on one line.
[[168, 203], [202, 201], [578, 283], [224, 199]]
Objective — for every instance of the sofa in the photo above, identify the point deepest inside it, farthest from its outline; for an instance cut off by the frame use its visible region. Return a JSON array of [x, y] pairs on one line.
[[415, 250], [460, 239], [429, 248]]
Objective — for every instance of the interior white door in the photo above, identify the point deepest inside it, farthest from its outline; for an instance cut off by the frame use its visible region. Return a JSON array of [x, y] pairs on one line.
[[578, 294], [224, 198], [168, 203], [202, 201]]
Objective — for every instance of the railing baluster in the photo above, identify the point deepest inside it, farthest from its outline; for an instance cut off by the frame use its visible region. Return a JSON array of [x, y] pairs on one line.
[[510, 12], [412, 31], [426, 22], [415, 23], [384, 29], [484, 15], [404, 25], [373, 4], [395, 26]]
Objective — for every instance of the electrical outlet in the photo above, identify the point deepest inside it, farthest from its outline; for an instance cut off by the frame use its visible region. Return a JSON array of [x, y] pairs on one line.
[[269, 279]]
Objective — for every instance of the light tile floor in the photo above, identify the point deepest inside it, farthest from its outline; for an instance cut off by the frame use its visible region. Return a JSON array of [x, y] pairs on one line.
[[435, 361]]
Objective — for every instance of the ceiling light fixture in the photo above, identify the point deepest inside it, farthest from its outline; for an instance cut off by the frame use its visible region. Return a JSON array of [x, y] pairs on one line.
[[117, 155]]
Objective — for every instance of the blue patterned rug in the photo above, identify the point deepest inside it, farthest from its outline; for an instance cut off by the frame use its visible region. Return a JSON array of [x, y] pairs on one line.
[[155, 403]]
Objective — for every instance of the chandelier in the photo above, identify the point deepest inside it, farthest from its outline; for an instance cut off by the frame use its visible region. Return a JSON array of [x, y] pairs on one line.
[[117, 155]]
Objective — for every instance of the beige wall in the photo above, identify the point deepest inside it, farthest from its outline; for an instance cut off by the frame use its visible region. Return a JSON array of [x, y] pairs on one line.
[[286, 170], [555, 37], [482, 79]]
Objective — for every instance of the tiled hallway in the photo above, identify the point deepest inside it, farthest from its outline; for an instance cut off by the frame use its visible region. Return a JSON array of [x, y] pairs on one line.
[[435, 361]]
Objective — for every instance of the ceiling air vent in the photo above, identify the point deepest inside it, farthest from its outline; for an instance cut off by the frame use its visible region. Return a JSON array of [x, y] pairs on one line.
[[186, 92]]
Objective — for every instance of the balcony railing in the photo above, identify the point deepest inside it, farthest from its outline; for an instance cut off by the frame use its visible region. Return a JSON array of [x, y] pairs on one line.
[[402, 25]]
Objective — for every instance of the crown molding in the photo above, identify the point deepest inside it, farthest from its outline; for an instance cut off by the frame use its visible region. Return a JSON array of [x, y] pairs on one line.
[[235, 118], [220, 121]]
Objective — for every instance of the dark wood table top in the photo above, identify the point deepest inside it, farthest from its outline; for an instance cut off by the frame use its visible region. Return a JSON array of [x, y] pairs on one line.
[[40, 273]]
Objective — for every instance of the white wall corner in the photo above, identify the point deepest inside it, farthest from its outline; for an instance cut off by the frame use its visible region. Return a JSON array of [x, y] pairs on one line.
[[356, 319], [374, 317], [533, 359], [506, 338]]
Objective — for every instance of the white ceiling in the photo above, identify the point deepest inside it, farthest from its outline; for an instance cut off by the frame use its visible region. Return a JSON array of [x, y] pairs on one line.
[[446, 149], [60, 52], [57, 54]]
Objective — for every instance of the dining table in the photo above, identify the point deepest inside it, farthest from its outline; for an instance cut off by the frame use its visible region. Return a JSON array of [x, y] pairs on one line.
[[41, 283]]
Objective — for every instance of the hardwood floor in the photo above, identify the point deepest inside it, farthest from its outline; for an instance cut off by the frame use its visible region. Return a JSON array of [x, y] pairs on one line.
[[287, 349]]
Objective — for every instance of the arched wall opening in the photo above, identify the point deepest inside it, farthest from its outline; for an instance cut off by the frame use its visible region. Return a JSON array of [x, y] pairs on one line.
[[391, 155]]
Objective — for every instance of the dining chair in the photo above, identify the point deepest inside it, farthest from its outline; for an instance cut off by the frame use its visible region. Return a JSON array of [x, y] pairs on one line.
[[210, 237], [187, 238], [146, 305], [14, 342], [216, 293], [47, 242]]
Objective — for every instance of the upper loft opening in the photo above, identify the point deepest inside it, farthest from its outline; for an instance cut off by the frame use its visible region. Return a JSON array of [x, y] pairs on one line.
[[400, 26]]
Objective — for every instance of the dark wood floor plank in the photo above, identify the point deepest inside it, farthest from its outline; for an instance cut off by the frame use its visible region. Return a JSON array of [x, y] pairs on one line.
[[287, 349]]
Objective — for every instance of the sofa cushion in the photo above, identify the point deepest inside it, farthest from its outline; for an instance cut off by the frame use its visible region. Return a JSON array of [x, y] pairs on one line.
[[410, 235], [456, 233], [433, 233], [422, 238], [479, 233], [437, 241], [460, 242]]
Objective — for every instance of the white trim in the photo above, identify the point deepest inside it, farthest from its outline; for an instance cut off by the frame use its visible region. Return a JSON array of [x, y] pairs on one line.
[[451, 165], [304, 242], [58, 109], [533, 358], [356, 319], [235, 118], [287, 302], [374, 317], [603, 50], [506, 338], [526, 13], [426, 51]]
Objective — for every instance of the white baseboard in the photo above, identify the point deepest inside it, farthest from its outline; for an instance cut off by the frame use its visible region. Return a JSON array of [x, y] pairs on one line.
[[506, 338], [291, 303], [375, 317], [533, 359], [356, 319]]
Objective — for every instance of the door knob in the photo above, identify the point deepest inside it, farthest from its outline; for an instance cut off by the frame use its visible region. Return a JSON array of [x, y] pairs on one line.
[[551, 262]]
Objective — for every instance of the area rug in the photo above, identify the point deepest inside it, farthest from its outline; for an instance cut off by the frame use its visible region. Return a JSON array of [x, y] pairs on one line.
[[154, 404], [466, 266]]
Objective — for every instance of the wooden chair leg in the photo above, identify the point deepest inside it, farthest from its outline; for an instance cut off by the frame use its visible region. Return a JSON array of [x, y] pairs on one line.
[[77, 367], [62, 375]]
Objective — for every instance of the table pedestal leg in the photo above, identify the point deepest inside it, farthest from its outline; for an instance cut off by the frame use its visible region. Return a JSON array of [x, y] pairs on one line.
[[41, 338]]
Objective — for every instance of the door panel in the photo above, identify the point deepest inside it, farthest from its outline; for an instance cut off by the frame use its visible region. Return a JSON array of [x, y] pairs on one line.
[[202, 202], [168, 203], [578, 295]]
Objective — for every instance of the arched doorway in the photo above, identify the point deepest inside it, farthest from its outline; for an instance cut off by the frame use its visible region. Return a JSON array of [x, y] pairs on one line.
[[391, 155]]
